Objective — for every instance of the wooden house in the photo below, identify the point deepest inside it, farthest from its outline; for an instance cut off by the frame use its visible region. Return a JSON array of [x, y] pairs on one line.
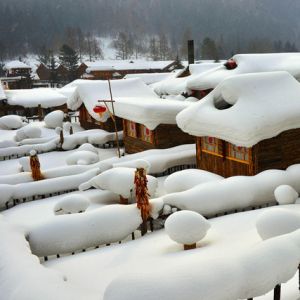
[[88, 92], [248, 124], [117, 69], [150, 123], [18, 75]]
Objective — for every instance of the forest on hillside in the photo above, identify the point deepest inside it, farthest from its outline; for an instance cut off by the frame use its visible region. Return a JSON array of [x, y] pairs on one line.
[[232, 25]]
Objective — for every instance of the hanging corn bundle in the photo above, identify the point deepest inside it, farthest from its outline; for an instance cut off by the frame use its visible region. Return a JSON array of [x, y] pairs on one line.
[[142, 196], [35, 166]]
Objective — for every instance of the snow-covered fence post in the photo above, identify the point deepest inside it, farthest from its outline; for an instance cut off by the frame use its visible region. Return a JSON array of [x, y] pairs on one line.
[[277, 292], [60, 131], [35, 166], [142, 197], [71, 130]]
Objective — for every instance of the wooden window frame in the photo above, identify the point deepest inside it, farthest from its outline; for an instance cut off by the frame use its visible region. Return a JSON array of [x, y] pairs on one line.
[[218, 143], [142, 135], [244, 161]]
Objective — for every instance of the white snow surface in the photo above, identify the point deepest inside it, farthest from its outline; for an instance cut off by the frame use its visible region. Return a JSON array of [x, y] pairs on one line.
[[120, 181], [262, 106], [46, 97], [285, 194], [186, 227], [254, 272], [54, 119], [71, 204], [277, 222], [89, 92], [237, 192], [187, 179], [11, 122], [149, 111], [20, 271], [68, 233]]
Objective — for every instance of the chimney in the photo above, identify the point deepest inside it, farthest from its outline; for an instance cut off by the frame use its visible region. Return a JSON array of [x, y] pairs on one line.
[[191, 54]]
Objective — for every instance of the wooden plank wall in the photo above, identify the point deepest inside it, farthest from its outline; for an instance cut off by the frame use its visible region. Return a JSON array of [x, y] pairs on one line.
[[165, 136]]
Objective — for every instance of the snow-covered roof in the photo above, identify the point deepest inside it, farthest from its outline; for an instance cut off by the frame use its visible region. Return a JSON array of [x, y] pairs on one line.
[[149, 78], [47, 97], [261, 105], [149, 111], [126, 65], [90, 91], [248, 63], [15, 64], [2, 94], [176, 86]]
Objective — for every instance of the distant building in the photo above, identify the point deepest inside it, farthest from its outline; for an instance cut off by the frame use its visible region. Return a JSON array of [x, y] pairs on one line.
[[116, 69], [17, 75]]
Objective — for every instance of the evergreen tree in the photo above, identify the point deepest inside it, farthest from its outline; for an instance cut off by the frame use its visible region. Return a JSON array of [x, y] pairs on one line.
[[209, 49], [153, 49], [69, 59], [52, 67], [44, 55]]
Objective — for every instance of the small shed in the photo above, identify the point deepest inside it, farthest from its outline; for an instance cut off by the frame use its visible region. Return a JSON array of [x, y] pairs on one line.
[[247, 124]]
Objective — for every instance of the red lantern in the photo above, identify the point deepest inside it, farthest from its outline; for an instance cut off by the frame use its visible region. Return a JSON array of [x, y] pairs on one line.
[[230, 64], [147, 131], [99, 109]]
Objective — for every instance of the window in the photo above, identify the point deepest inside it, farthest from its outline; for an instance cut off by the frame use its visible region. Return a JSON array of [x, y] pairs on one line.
[[131, 129], [211, 145], [238, 153], [146, 134]]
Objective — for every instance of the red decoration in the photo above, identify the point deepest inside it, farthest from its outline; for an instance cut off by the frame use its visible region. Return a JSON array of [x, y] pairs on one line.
[[210, 140], [230, 64], [99, 109], [147, 131]]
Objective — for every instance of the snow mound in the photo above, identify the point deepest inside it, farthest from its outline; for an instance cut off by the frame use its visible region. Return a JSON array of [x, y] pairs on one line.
[[28, 132], [186, 227], [68, 233], [285, 194], [82, 158], [187, 179], [54, 119], [88, 147], [71, 204], [119, 181], [11, 122], [277, 222]]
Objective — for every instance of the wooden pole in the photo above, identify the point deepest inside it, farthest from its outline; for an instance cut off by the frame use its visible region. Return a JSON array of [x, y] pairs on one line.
[[114, 119], [277, 292], [191, 52], [299, 276]]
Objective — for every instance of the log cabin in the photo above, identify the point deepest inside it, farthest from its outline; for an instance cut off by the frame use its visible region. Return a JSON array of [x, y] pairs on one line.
[[18, 75], [249, 123], [150, 123], [88, 92], [117, 69]]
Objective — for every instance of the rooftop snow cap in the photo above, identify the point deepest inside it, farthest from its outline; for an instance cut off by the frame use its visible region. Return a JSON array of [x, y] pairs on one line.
[[15, 64], [246, 109], [247, 63]]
